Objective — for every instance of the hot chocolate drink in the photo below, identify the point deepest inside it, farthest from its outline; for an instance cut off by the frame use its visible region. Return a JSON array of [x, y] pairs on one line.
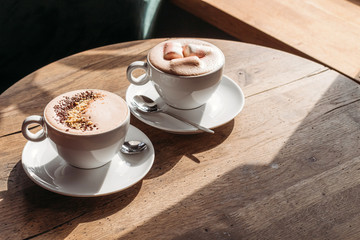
[[184, 72], [186, 57], [86, 112]]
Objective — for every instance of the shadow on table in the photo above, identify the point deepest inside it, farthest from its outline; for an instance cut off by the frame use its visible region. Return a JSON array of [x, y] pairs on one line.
[[63, 214], [310, 189]]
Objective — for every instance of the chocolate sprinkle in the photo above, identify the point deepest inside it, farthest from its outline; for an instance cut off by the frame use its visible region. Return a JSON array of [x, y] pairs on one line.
[[70, 111]]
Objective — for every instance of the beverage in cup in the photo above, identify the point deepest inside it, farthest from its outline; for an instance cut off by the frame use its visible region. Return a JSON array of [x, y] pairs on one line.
[[185, 72]]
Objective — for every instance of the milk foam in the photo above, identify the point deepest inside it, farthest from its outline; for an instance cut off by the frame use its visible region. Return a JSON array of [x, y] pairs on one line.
[[213, 60], [106, 113]]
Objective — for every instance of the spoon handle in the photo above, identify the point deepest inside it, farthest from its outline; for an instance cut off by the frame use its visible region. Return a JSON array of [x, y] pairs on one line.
[[189, 122]]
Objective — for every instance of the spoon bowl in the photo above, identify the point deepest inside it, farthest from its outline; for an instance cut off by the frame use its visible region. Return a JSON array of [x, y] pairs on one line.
[[133, 147], [146, 104]]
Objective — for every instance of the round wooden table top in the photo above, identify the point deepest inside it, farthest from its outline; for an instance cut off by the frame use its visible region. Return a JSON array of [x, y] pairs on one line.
[[286, 167]]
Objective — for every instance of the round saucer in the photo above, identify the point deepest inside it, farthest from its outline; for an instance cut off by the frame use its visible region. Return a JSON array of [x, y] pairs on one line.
[[47, 169], [225, 104]]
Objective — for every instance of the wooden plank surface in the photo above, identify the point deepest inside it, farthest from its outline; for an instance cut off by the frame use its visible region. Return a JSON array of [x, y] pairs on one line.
[[325, 30], [285, 168]]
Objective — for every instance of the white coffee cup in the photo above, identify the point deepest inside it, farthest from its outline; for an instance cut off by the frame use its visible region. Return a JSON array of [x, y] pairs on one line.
[[179, 91], [81, 150]]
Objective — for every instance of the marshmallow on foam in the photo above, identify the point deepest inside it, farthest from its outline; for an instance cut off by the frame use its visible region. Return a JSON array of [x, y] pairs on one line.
[[187, 61], [196, 50], [173, 50]]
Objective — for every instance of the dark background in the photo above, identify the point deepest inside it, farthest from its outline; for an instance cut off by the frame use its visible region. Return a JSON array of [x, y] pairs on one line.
[[34, 33]]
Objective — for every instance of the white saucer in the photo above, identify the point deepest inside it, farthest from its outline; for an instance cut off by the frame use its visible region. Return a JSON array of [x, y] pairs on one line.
[[47, 169], [225, 104]]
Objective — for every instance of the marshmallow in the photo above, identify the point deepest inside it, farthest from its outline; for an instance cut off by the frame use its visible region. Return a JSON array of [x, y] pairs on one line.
[[185, 66], [196, 50], [173, 50], [187, 61]]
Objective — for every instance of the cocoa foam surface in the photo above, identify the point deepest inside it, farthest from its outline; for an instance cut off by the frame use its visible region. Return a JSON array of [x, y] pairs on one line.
[[212, 61], [106, 113]]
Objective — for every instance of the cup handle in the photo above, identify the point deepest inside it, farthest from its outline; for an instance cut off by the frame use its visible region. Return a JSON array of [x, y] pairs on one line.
[[35, 137], [139, 80]]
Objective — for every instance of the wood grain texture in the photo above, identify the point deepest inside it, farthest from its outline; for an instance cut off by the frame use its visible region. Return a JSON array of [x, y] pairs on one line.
[[324, 30], [285, 168]]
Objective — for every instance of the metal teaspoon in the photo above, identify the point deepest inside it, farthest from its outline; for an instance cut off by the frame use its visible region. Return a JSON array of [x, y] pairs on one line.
[[146, 104]]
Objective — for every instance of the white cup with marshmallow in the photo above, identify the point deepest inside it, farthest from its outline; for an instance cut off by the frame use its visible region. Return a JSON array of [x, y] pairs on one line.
[[185, 72]]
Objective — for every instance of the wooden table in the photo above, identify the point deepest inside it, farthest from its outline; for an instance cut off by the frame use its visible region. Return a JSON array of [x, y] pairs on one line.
[[287, 167], [325, 30]]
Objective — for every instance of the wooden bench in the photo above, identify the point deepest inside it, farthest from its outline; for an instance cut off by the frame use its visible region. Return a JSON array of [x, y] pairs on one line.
[[327, 31]]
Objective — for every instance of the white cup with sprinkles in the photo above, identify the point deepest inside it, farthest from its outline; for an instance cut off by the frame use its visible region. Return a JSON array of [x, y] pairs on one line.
[[86, 127]]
